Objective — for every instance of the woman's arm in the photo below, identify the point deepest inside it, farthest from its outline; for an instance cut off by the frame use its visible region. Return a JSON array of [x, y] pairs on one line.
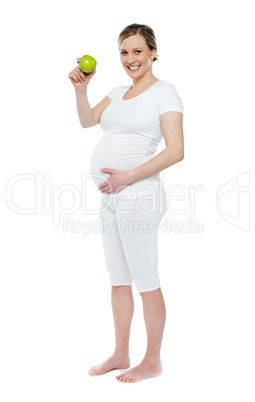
[[171, 126], [172, 129], [89, 116], [84, 110]]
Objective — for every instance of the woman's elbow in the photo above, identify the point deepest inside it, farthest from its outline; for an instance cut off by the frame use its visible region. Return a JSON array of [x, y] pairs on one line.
[[176, 156], [84, 125], [89, 124], [180, 156]]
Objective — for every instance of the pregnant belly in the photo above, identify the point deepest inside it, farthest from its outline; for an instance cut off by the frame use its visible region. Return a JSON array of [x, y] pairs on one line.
[[115, 152]]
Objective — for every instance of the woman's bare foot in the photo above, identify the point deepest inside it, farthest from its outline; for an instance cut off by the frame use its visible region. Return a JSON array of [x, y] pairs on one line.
[[113, 362], [141, 372]]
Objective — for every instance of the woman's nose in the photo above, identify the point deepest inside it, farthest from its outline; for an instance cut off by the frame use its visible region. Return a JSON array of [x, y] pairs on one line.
[[130, 59]]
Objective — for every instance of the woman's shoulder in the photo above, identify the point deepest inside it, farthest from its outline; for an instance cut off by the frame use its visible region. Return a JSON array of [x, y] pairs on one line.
[[167, 98], [166, 87], [115, 90], [163, 88], [164, 83]]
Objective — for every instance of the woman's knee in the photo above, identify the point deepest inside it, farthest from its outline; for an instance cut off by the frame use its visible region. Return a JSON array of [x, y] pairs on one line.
[[121, 287]]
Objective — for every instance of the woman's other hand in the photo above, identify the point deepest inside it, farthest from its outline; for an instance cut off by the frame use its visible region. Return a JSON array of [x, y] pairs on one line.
[[78, 78]]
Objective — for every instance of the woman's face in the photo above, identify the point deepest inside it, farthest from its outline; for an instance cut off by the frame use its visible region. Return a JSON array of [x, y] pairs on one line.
[[135, 53]]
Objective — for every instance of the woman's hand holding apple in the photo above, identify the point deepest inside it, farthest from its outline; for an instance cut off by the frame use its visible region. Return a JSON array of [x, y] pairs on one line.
[[78, 78]]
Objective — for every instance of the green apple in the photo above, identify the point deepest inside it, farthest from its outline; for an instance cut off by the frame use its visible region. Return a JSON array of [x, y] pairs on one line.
[[87, 63]]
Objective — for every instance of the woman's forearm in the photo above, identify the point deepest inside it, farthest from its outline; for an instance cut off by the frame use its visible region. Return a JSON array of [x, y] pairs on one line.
[[160, 162], [84, 110]]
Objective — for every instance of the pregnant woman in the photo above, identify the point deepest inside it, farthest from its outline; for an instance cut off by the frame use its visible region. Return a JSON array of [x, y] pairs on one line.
[[133, 200]]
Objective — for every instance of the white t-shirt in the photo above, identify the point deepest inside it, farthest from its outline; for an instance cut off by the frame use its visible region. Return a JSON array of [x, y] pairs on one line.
[[132, 133]]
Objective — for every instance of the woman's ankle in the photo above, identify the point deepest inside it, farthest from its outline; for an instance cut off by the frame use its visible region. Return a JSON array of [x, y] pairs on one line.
[[151, 360], [122, 352]]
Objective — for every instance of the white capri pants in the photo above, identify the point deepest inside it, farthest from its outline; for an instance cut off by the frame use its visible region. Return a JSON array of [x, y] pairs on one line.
[[130, 238]]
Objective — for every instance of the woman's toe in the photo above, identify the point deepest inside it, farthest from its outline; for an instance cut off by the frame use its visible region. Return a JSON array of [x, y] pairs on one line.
[[93, 370]]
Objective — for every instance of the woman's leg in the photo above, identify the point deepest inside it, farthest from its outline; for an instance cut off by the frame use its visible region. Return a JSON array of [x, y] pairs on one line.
[[140, 245], [154, 311], [123, 308], [154, 316], [121, 296]]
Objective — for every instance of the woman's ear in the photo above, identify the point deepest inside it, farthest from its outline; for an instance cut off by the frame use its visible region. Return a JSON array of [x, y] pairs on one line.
[[153, 53]]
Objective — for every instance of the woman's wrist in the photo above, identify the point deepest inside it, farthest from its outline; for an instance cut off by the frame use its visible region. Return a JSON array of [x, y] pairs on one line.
[[82, 89], [130, 176]]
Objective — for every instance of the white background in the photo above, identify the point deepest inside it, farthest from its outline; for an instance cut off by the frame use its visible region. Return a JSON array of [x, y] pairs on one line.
[[56, 318]]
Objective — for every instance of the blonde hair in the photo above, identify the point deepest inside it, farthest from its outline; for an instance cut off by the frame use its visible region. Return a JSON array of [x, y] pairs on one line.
[[137, 29]]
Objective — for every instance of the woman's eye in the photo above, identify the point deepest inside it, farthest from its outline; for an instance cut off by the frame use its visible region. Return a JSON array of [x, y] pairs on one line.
[[137, 51]]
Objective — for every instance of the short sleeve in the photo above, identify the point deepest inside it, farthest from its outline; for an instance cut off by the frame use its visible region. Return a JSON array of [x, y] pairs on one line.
[[113, 92], [168, 100]]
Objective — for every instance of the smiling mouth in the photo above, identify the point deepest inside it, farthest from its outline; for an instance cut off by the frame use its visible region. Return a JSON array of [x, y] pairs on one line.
[[135, 68]]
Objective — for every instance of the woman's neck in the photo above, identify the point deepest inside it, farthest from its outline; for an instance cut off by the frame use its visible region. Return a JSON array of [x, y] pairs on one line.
[[142, 83]]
